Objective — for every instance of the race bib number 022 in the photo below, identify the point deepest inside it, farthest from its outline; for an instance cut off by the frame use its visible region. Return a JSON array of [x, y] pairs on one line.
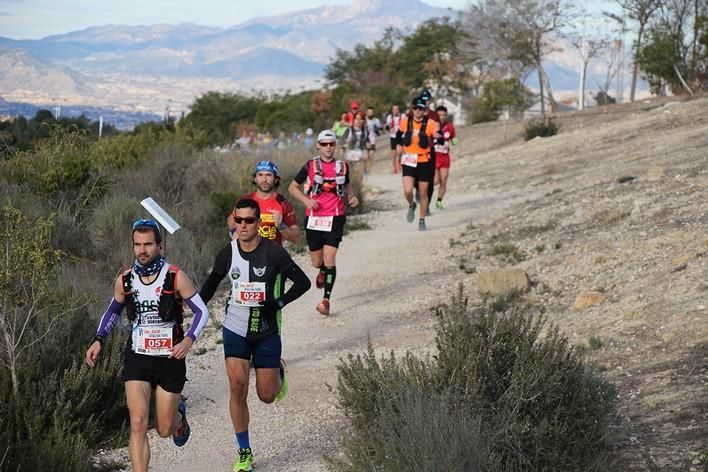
[[250, 293], [410, 160]]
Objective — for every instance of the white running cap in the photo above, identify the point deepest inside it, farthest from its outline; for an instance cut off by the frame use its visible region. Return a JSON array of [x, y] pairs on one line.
[[327, 136]]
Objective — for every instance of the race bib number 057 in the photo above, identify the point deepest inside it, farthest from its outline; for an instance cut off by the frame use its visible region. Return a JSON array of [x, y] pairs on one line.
[[154, 341], [410, 160], [250, 293], [320, 223]]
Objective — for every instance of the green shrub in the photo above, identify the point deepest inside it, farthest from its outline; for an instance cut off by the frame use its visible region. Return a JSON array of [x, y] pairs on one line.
[[541, 127], [498, 395]]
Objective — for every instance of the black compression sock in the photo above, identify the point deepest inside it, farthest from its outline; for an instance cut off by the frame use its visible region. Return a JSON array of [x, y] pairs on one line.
[[330, 276]]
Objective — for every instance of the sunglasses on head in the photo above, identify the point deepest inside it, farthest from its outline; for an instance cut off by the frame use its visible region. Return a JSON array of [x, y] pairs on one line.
[[146, 222], [249, 220], [327, 144]]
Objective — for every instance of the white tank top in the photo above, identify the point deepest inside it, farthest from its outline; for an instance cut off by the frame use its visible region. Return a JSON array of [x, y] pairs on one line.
[[151, 335]]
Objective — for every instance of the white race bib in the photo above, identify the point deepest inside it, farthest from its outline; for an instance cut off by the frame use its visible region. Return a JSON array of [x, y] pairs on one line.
[[249, 293], [442, 148], [320, 223], [410, 160], [153, 341]]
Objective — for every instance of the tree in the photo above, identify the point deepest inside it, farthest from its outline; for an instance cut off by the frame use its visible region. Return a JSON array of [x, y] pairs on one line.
[[29, 307], [588, 45], [640, 11], [516, 33]]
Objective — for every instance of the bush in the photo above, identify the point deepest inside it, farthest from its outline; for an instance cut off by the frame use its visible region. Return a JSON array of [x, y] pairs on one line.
[[519, 400], [541, 127]]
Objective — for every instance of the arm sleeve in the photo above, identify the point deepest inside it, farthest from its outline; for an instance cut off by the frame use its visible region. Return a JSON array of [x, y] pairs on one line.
[[221, 267], [201, 316], [109, 319], [301, 176], [286, 266]]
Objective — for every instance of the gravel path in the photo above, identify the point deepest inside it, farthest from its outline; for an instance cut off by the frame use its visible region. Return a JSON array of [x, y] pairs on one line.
[[387, 280]]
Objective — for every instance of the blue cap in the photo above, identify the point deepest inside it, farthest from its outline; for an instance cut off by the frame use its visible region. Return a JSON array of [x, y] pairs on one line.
[[426, 95], [419, 102], [266, 166]]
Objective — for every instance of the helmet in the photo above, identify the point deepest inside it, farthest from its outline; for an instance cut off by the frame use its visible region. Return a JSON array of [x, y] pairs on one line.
[[266, 166]]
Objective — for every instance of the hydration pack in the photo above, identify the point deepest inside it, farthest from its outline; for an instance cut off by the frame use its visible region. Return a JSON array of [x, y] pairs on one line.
[[169, 307], [422, 136], [318, 179]]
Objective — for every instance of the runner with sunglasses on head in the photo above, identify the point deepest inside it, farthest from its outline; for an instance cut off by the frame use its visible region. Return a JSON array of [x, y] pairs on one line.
[[257, 269], [322, 186], [152, 292]]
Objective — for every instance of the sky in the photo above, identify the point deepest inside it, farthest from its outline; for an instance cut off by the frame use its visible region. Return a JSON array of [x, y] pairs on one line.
[[34, 19]]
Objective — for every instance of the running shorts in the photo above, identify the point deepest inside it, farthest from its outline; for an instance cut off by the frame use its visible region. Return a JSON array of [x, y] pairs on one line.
[[394, 142], [442, 161], [169, 373], [422, 172], [264, 353], [316, 240]]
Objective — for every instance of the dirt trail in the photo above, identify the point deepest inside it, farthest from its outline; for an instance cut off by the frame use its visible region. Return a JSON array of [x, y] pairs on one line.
[[560, 193]]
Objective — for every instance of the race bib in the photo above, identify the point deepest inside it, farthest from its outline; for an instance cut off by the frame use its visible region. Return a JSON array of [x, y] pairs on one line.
[[320, 223], [153, 341], [249, 293], [442, 148], [410, 160]]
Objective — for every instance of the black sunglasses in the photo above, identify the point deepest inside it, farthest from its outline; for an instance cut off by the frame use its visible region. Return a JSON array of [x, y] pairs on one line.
[[249, 220], [328, 144], [419, 108]]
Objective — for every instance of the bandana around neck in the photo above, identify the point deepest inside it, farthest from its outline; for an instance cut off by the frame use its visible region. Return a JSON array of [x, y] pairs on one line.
[[149, 269]]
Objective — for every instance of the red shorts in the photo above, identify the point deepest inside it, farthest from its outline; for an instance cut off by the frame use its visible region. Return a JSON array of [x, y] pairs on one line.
[[442, 161]]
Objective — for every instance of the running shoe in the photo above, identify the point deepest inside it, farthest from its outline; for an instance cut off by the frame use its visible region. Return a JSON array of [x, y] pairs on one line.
[[245, 460], [284, 385], [410, 216], [421, 226], [181, 436], [320, 280], [439, 205], [323, 307]]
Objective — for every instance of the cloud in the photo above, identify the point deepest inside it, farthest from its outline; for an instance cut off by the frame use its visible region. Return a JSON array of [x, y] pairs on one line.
[[4, 13]]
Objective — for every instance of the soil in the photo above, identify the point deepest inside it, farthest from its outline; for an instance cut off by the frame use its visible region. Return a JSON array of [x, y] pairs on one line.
[[615, 203]]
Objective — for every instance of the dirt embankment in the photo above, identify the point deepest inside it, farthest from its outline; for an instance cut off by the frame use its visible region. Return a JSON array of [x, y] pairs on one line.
[[615, 205]]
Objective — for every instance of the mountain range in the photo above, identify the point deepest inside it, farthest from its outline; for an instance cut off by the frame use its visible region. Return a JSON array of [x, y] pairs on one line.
[[150, 68]]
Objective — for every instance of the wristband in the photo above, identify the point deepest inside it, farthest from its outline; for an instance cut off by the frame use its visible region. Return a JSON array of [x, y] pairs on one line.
[[99, 339]]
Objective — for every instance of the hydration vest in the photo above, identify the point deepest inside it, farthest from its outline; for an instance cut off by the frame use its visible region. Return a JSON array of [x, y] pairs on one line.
[[318, 180], [170, 306], [422, 136]]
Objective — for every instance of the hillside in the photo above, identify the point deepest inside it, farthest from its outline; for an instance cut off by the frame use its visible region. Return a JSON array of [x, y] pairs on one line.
[[614, 204]]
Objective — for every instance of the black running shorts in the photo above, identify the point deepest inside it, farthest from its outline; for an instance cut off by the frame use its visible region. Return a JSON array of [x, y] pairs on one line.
[[423, 172], [316, 240], [394, 142], [169, 374]]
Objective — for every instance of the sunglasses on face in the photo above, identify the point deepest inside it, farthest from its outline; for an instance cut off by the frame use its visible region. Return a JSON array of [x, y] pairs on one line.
[[419, 108], [249, 220], [147, 222], [327, 144]]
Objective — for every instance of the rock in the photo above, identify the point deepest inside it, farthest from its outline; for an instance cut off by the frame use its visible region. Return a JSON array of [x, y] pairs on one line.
[[502, 281], [680, 267], [587, 298], [680, 260], [654, 173]]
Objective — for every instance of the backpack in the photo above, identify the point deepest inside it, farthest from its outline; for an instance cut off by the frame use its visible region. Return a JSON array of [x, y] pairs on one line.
[[169, 307], [422, 136], [318, 181]]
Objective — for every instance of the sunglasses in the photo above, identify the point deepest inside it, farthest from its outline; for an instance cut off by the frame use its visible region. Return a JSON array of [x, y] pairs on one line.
[[327, 144], [419, 108], [150, 223], [249, 220]]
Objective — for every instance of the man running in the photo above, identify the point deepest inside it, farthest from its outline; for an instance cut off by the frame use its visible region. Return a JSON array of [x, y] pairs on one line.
[[373, 126], [393, 121], [257, 269], [415, 137], [152, 292], [326, 186], [442, 155], [278, 219]]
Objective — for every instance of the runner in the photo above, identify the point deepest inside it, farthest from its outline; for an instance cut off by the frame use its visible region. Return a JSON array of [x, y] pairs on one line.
[[257, 270], [278, 220], [152, 292], [353, 110], [356, 141], [415, 137], [393, 121], [339, 128], [373, 125], [442, 155], [427, 97], [326, 186]]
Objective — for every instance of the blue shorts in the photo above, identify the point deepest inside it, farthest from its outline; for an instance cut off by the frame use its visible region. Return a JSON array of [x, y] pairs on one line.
[[264, 353]]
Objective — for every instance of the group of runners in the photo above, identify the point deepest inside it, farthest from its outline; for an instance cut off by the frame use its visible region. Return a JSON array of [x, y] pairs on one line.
[[153, 292]]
